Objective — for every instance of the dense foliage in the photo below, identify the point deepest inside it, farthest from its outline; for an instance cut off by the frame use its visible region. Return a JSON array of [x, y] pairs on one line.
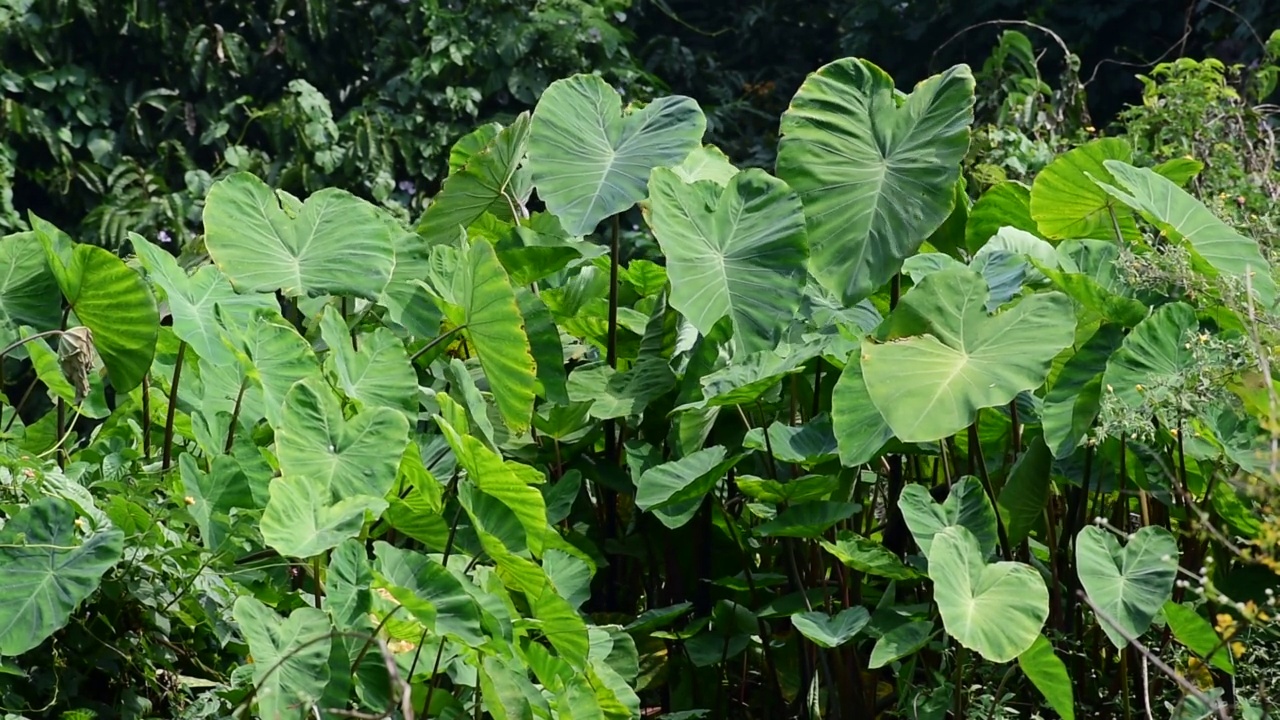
[[832, 441]]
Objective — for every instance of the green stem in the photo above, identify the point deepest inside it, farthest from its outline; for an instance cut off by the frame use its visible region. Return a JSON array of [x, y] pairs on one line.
[[173, 406], [438, 339], [959, 681], [146, 420], [975, 455], [615, 252]]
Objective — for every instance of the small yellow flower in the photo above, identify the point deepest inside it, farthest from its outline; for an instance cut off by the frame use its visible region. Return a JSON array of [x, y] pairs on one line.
[[1237, 649], [1226, 625], [1138, 387], [1110, 389], [189, 500], [400, 646]]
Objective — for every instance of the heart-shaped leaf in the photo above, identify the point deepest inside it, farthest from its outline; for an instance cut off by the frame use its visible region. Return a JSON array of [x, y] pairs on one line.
[[273, 357], [430, 592], [302, 520], [352, 457], [957, 359], [834, 630], [1073, 402], [1089, 272], [108, 297], [1194, 631], [307, 250], [1129, 584], [486, 184], [868, 557], [590, 161], [1049, 674], [809, 520], [27, 287], [900, 642], [688, 478], [995, 610], [213, 495], [47, 571], [859, 428], [737, 251], [1006, 204], [967, 506], [808, 444], [876, 175], [290, 657], [1066, 202], [378, 374], [1155, 356]]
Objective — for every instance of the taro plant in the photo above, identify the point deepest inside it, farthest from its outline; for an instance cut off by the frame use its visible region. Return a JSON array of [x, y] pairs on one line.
[[848, 448]]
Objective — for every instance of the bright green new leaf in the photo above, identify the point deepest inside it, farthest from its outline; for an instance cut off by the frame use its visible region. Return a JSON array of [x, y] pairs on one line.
[[1194, 631], [995, 610], [430, 592], [868, 556], [1066, 202], [1022, 499], [590, 161], [352, 457], [472, 144], [876, 174], [1129, 584], [688, 478], [486, 184], [831, 631], [27, 286], [1182, 217], [480, 300], [47, 571], [900, 642], [1155, 355], [1007, 204], [957, 358], [290, 657], [108, 297], [303, 520], [1049, 674], [737, 250], [378, 374], [860, 429], [967, 506], [706, 163], [334, 243]]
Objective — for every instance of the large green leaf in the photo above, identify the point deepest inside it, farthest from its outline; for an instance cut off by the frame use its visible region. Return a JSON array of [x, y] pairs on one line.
[[876, 174], [1007, 204], [430, 592], [378, 374], [614, 394], [405, 299], [1073, 402], [335, 243], [1022, 499], [47, 571], [900, 642], [1154, 356], [28, 290], [967, 506], [590, 161], [995, 610], [831, 631], [688, 478], [354, 457], [192, 300], [480, 300], [290, 657], [108, 297], [737, 250], [486, 184], [273, 356], [957, 359], [302, 519], [213, 495], [860, 429], [808, 444], [808, 520], [1049, 674], [1194, 631], [868, 556], [1066, 202], [1182, 217], [1129, 584], [1089, 272]]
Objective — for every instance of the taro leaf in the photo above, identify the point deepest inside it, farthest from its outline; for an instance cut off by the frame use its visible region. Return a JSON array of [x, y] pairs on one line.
[[995, 610], [798, 490], [352, 457], [302, 520], [807, 444], [47, 571], [1024, 495], [535, 249], [737, 251], [590, 161], [481, 301], [706, 163], [108, 297], [684, 480], [28, 291], [831, 631], [429, 592], [1049, 674], [1020, 243], [809, 520], [1089, 273], [472, 144], [614, 394], [486, 184], [271, 353], [545, 345], [1129, 584], [1006, 204], [348, 583], [876, 174], [966, 506], [959, 359], [1066, 202], [868, 557], [745, 381], [1195, 632], [900, 642], [335, 243], [192, 299], [1154, 356], [290, 657], [406, 301], [378, 374], [949, 237], [1073, 402], [860, 429], [1181, 216], [1179, 171], [212, 496]]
